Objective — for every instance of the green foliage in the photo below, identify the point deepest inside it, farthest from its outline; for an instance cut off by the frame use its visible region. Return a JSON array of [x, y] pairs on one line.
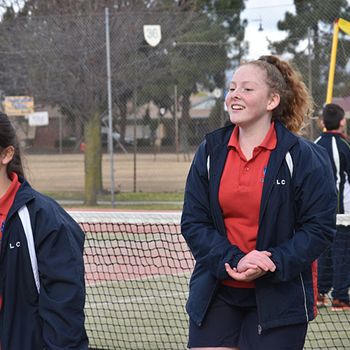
[[125, 200], [195, 47], [313, 22]]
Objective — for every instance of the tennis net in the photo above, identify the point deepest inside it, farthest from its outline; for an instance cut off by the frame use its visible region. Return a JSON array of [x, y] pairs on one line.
[[137, 270]]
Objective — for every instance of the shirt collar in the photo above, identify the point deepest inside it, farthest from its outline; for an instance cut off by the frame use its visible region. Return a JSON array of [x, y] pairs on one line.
[[269, 142], [336, 133], [7, 199]]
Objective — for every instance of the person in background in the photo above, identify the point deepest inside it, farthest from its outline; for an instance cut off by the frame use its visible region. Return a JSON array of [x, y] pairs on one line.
[[334, 263], [259, 209], [46, 312]]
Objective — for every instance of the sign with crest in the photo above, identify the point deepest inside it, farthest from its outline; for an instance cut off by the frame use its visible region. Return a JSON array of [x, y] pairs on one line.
[[38, 119], [152, 34]]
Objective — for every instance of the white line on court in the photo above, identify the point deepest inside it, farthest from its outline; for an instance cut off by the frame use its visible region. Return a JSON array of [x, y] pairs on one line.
[[129, 300]]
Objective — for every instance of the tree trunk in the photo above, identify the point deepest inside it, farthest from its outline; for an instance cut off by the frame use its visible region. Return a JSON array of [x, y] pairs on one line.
[[93, 160], [185, 123], [123, 116]]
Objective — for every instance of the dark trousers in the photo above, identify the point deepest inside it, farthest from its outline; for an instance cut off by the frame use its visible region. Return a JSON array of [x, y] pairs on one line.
[[334, 266], [230, 325]]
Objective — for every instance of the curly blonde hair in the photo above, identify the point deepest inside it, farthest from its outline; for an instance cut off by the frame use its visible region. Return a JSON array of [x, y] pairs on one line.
[[296, 104]]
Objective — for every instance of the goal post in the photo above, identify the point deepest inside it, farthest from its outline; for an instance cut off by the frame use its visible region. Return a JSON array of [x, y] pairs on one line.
[[344, 25]]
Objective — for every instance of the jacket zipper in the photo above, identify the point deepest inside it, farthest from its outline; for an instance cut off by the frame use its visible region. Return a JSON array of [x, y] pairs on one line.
[[289, 162], [302, 284]]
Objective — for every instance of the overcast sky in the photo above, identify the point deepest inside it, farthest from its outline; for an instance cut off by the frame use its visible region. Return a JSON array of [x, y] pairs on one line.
[[268, 12]]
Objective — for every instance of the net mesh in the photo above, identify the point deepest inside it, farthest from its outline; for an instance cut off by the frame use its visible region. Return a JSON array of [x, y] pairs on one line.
[[137, 271]]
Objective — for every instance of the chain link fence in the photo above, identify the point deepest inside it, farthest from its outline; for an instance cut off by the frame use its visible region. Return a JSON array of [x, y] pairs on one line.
[[164, 98]]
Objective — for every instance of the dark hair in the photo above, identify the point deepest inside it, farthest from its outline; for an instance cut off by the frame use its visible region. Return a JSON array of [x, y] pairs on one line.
[[8, 137], [296, 103], [332, 114]]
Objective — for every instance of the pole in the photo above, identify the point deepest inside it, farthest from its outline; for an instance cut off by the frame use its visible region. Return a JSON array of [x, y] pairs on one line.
[[309, 61], [332, 62], [176, 124], [135, 132], [134, 103], [60, 137], [110, 124]]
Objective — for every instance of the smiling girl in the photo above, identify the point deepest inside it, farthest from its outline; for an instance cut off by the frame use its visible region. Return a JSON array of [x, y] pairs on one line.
[[259, 209]]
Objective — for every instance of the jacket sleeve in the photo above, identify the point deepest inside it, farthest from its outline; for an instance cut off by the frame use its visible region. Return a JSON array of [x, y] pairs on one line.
[[209, 247], [346, 159], [62, 286], [316, 205]]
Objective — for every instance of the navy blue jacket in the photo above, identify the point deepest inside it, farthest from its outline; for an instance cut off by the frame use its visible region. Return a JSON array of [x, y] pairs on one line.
[[53, 319], [338, 150], [297, 223]]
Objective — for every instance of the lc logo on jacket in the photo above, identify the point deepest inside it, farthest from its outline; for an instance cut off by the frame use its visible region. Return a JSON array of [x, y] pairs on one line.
[[280, 182], [14, 245]]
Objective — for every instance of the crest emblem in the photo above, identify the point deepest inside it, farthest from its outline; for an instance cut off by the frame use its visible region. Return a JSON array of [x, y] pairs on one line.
[[152, 34]]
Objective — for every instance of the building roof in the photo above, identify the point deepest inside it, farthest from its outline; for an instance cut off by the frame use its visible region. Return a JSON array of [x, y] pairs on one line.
[[343, 102]]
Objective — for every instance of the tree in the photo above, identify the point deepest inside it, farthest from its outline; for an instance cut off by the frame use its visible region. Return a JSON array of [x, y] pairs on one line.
[[206, 63], [198, 54], [60, 59], [56, 52], [314, 23]]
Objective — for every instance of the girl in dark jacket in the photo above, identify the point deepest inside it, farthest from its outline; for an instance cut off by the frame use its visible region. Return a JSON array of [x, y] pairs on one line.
[[42, 289], [259, 209]]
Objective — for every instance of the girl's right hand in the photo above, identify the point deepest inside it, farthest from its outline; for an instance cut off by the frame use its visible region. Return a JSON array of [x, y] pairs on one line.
[[256, 259], [246, 276]]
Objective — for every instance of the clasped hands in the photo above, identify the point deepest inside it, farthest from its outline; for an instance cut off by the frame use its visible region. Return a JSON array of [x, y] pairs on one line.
[[253, 265]]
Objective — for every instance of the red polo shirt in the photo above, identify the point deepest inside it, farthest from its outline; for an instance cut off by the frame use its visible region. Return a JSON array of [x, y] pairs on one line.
[[240, 193], [6, 202]]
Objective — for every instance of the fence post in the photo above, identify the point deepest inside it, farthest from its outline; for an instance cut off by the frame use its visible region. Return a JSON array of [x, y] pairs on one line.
[[110, 123]]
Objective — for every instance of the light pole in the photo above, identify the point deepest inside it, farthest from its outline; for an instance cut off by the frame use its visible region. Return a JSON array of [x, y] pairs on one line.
[[176, 124], [110, 123], [152, 35], [260, 28]]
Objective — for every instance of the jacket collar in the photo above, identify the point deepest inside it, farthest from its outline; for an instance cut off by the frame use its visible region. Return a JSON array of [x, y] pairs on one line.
[[217, 142], [24, 195], [333, 133], [285, 138], [219, 138]]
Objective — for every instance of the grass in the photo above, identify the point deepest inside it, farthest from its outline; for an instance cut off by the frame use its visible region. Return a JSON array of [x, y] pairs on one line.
[[149, 314], [145, 314], [125, 200], [122, 196]]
